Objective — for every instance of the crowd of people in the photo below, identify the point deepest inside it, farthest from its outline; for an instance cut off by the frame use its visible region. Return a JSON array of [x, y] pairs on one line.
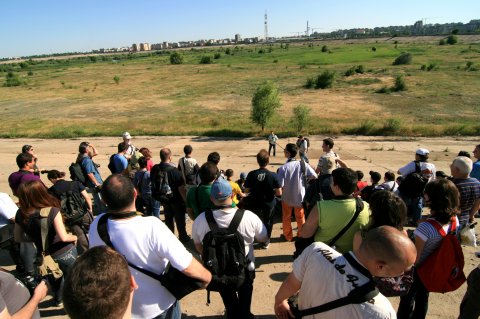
[[112, 246]]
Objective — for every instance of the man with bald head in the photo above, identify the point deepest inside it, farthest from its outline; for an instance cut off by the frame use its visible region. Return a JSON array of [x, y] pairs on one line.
[[174, 209], [321, 274]]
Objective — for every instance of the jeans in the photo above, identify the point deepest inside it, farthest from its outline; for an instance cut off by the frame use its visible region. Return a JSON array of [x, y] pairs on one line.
[[175, 214], [28, 253], [470, 308], [266, 213], [174, 312], [237, 303], [156, 208], [270, 146], [414, 207], [414, 305], [65, 261]]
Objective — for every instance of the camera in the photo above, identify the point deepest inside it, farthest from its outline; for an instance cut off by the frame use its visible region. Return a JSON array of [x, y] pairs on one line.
[[31, 282]]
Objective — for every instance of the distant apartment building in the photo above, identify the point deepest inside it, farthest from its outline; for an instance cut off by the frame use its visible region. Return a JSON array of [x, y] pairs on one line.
[[144, 47], [238, 38]]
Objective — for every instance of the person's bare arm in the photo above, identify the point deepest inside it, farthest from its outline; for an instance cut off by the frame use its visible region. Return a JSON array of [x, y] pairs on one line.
[[278, 192], [288, 288], [341, 163], [92, 178], [357, 240], [88, 200], [419, 244], [475, 208], [196, 270], [30, 307], [61, 231], [311, 224]]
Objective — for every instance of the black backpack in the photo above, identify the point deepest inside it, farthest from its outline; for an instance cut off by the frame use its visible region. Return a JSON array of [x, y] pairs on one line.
[[414, 183], [161, 189], [73, 206], [224, 254], [77, 173]]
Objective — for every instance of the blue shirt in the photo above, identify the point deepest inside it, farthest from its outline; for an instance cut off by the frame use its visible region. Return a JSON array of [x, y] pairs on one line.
[[476, 170], [120, 163], [89, 167]]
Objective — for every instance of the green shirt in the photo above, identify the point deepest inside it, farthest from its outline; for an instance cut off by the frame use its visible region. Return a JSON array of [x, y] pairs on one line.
[[203, 202], [333, 216]]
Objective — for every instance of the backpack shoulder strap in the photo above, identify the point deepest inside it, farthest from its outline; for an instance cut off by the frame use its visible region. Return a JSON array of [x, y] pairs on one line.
[[358, 209], [103, 231], [358, 295], [437, 226], [211, 220], [417, 167], [236, 220]]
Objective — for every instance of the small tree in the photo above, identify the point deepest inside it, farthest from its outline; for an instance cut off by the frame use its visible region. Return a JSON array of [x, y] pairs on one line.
[[176, 58], [206, 59], [400, 84], [116, 78], [12, 79], [301, 117], [324, 48], [265, 101]]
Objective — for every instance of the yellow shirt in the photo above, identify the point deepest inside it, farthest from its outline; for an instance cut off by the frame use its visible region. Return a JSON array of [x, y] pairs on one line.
[[235, 191]]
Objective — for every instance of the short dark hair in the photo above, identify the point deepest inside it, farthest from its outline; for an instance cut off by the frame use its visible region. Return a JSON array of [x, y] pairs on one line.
[[187, 149], [122, 147], [263, 158], [464, 153], [142, 162], [328, 141], [208, 172], [213, 157], [98, 285], [359, 175], [165, 154], [229, 172], [26, 148], [443, 199], [387, 209], [118, 192], [54, 174], [346, 179], [423, 158], [390, 176], [23, 159], [83, 147], [292, 149]]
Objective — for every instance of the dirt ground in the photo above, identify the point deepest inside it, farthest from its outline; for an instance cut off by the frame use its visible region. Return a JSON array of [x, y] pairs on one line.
[[273, 264]]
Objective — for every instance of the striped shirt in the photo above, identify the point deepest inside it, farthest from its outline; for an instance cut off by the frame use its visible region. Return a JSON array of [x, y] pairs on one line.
[[432, 238], [469, 189]]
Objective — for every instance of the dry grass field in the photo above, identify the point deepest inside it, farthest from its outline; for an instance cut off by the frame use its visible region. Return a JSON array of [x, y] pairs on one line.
[[78, 95]]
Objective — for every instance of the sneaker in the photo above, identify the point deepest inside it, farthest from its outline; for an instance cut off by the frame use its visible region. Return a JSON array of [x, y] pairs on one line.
[[265, 245]]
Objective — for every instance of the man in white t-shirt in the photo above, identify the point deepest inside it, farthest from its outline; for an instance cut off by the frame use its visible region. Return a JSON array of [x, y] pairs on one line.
[[147, 243], [237, 303], [272, 143], [188, 166], [321, 274], [415, 205]]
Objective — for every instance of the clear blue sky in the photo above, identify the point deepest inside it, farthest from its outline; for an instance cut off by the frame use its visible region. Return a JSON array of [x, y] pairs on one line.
[[52, 26]]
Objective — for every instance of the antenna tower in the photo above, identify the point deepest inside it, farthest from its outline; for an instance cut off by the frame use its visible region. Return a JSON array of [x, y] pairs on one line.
[[266, 27]]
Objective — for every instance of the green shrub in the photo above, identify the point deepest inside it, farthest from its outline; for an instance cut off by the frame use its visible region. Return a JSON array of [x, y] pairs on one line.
[[261, 51], [350, 71], [217, 56], [30, 73], [206, 59], [311, 83], [176, 58], [325, 80], [404, 58], [442, 42], [432, 67], [400, 84], [423, 67], [374, 49], [12, 79], [325, 48], [301, 117], [383, 90], [116, 78], [452, 39], [392, 126], [360, 69], [275, 61], [228, 51]]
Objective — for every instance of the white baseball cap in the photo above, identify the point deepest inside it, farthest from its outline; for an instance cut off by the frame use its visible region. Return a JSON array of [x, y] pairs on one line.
[[127, 136], [422, 151]]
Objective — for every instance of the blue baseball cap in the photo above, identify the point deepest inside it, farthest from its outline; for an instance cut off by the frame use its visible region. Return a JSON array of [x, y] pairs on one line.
[[221, 190]]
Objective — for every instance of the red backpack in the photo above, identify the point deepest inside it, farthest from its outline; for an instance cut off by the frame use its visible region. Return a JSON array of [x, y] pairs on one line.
[[442, 271]]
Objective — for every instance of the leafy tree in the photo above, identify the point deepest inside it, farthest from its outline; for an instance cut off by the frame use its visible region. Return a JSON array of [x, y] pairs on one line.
[[116, 78], [206, 59], [176, 58], [400, 84], [301, 117], [265, 101]]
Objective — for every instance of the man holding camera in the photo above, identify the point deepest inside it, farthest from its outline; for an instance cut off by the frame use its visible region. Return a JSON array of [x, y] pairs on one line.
[[86, 151]]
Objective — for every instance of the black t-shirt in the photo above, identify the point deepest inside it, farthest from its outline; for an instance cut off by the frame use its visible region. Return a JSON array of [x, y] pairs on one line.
[[63, 186], [175, 180], [262, 184], [32, 227]]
